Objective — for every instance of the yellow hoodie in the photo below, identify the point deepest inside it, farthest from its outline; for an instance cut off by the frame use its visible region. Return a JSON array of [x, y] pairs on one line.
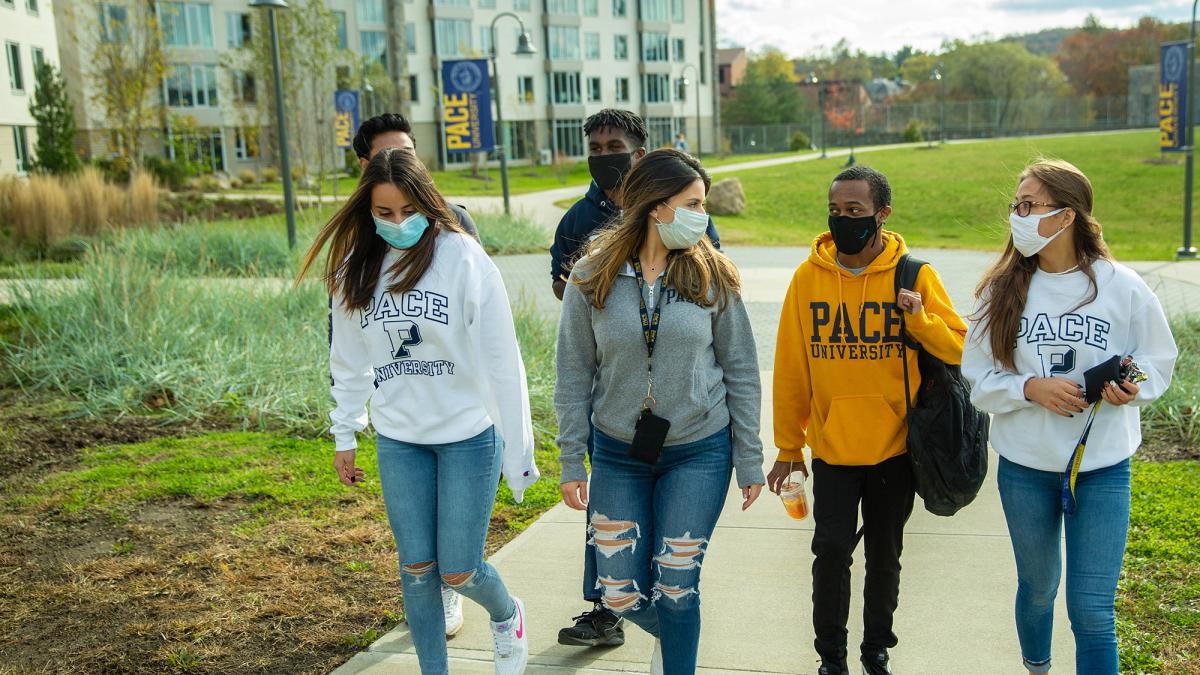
[[839, 381]]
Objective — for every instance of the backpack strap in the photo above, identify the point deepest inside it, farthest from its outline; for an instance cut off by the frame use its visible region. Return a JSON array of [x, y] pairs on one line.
[[905, 276]]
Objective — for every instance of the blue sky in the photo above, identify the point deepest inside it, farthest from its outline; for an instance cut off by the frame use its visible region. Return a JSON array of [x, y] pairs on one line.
[[803, 26]]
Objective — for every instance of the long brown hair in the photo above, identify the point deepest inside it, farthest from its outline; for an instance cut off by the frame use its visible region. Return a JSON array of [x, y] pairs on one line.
[[1005, 287], [701, 273], [356, 252]]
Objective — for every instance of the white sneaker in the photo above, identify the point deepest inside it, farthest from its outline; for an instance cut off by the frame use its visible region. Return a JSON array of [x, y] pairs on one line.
[[452, 608], [511, 643], [656, 664]]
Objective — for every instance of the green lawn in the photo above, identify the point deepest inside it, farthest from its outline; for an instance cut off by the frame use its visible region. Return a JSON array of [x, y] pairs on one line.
[[956, 196]]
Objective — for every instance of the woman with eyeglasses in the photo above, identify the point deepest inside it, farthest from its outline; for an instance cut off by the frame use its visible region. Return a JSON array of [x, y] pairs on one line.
[[1051, 315], [655, 349]]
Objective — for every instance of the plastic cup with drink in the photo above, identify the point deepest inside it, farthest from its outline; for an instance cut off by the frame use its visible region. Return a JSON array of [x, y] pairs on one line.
[[793, 494]]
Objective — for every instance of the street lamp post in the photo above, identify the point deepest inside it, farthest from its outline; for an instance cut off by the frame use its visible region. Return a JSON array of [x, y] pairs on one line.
[[288, 195], [524, 48], [938, 76], [812, 79], [699, 134], [1187, 250]]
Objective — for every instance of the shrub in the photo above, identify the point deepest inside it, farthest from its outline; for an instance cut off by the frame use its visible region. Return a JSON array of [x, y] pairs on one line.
[[914, 132], [39, 212], [208, 250], [235, 183], [174, 175], [207, 183], [115, 169], [247, 177], [144, 196], [508, 235], [800, 141], [270, 174], [96, 201]]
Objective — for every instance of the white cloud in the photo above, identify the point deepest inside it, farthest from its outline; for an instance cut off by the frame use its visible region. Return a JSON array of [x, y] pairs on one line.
[[804, 26]]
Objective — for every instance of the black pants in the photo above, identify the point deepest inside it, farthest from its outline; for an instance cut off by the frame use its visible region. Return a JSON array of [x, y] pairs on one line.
[[885, 491]]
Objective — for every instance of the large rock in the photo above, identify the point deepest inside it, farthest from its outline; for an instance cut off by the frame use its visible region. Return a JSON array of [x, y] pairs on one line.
[[726, 198]]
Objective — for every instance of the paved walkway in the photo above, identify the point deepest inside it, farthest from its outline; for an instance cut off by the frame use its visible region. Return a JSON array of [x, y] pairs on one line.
[[955, 611]]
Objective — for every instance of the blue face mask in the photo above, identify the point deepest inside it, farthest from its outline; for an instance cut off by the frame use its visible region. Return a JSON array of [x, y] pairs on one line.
[[405, 234], [685, 230]]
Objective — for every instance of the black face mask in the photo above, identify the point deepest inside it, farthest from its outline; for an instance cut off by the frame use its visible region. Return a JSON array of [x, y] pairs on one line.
[[850, 234], [608, 170]]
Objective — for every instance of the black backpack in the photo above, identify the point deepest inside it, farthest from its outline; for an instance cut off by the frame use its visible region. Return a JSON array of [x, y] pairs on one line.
[[947, 436]]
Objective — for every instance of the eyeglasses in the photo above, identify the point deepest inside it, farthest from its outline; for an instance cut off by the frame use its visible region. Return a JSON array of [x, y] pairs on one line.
[[1022, 209]]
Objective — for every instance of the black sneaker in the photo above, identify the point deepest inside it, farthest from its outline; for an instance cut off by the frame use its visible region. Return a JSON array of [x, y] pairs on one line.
[[876, 663], [833, 667], [597, 628]]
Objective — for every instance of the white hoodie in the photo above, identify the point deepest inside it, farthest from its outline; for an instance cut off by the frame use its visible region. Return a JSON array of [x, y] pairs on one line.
[[439, 364], [1057, 339]]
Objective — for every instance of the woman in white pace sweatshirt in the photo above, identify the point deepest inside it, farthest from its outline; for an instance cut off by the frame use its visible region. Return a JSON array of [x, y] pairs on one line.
[[1055, 305], [421, 327]]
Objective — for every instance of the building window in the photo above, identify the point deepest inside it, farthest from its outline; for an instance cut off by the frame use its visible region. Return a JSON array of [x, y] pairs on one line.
[[622, 90], [656, 88], [620, 9], [564, 88], [16, 78], [591, 7], [661, 131], [453, 3], [654, 46], [207, 148], [370, 11], [677, 11], [564, 43], [343, 35], [522, 140], [373, 45], [114, 22], [31, 6], [237, 29], [38, 58], [21, 144], [591, 46], [568, 137], [565, 7], [677, 50], [244, 90], [654, 10], [414, 89], [485, 39], [245, 145], [7, 3], [593, 89], [681, 89], [453, 37], [410, 36], [521, 5], [621, 47], [525, 89], [487, 4], [192, 86], [186, 24]]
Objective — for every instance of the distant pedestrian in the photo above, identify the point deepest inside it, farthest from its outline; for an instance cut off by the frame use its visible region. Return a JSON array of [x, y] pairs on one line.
[[681, 143], [422, 329], [1054, 307]]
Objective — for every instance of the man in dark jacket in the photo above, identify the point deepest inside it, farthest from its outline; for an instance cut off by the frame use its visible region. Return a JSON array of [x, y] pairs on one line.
[[616, 141]]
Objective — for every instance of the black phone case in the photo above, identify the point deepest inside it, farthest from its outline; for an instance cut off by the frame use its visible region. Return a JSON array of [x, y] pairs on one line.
[[649, 434], [1095, 377]]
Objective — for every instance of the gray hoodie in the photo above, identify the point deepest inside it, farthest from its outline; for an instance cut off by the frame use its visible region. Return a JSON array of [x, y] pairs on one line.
[[705, 372]]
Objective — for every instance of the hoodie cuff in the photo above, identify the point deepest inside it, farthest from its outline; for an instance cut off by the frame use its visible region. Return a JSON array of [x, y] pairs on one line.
[[573, 471], [793, 455], [749, 474]]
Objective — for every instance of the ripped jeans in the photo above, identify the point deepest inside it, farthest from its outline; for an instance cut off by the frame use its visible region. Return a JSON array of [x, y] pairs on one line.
[[439, 502], [651, 526]]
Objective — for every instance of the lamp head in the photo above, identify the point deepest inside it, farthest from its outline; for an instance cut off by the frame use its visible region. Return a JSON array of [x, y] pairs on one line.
[[525, 45], [269, 4]]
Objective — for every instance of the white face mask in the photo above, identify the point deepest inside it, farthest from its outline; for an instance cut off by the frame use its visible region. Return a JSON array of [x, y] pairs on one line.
[[685, 229], [1025, 235]]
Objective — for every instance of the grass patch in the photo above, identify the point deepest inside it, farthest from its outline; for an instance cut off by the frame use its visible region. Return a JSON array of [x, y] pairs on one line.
[[1172, 424], [956, 196], [511, 235], [1158, 599]]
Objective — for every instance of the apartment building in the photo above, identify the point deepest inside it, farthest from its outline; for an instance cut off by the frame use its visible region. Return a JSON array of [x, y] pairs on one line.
[[591, 54], [28, 34]]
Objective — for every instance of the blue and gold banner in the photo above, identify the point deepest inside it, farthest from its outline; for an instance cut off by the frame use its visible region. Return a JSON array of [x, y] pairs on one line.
[[467, 106], [1173, 96], [345, 117]]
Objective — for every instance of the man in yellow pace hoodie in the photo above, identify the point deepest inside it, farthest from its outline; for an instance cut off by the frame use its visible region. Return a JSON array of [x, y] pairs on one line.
[[839, 388]]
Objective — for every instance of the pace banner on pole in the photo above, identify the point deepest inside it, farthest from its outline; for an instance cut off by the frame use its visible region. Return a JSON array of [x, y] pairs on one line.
[[467, 106], [1172, 96], [345, 117]]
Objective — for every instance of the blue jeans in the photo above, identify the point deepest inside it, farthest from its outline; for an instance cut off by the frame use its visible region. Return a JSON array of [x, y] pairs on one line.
[[591, 592], [651, 525], [1095, 536], [439, 501]]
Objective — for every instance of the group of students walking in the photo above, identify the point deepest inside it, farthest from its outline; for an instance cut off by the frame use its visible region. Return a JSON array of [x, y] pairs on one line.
[[658, 391]]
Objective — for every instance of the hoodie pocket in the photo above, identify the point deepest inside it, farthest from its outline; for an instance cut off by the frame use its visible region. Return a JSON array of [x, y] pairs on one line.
[[859, 429]]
